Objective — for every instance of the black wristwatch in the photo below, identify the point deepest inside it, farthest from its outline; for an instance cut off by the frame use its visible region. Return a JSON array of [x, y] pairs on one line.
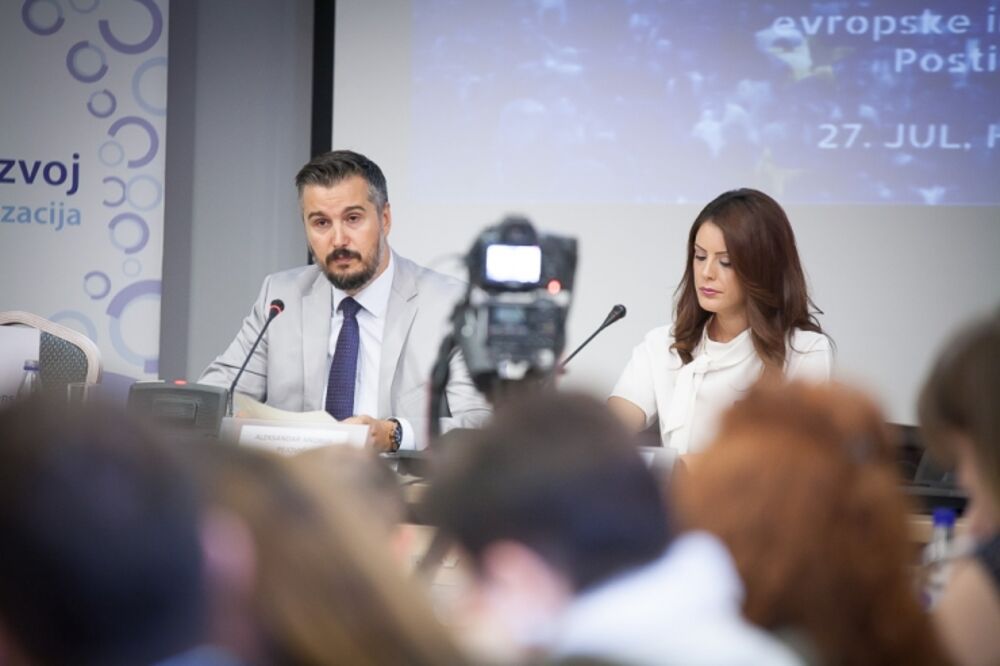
[[396, 438]]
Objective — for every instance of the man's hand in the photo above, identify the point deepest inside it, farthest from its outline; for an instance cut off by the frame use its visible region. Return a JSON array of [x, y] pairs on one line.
[[379, 431]]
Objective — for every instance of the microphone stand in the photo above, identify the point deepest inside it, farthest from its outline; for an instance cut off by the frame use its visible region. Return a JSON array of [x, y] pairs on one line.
[[617, 312], [275, 310]]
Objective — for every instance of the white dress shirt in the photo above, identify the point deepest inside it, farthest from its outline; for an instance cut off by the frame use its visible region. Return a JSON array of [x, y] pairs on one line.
[[683, 608], [374, 302], [689, 398]]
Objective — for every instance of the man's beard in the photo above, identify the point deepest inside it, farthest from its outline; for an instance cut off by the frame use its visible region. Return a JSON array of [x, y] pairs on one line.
[[359, 278]]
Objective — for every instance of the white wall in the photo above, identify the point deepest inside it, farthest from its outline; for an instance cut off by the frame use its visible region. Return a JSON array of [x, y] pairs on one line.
[[238, 131]]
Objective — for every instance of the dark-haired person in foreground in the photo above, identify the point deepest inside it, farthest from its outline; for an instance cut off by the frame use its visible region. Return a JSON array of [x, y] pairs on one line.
[[361, 327], [960, 417], [100, 559], [743, 313], [572, 549]]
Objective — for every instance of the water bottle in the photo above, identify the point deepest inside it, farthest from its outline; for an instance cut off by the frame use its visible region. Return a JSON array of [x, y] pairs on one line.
[[31, 382], [937, 556]]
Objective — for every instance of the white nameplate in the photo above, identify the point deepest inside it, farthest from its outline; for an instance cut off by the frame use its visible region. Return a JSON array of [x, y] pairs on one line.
[[290, 439]]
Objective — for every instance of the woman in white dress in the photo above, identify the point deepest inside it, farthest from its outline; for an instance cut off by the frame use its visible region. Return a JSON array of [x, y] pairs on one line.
[[742, 313]]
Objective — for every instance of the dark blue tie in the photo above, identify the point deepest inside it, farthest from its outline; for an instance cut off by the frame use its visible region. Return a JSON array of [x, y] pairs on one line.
[[343, 370]]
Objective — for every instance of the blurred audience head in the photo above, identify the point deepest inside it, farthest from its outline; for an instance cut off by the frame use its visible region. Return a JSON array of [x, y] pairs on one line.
[[100, 561], [800, 483], [363, 474], [960, 413], [300, 577], [374, 486], [549, 500]]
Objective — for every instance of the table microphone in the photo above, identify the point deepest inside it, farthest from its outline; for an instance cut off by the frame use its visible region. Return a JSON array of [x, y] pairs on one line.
[[617, 312], [276, 308]]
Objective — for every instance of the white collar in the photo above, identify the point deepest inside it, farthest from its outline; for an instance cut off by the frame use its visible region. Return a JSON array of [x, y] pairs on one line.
[[374, 298], [708, 356], [732, 351]]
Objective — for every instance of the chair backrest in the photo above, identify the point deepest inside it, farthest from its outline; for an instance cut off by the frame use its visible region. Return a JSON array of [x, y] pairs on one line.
[[65, 356]]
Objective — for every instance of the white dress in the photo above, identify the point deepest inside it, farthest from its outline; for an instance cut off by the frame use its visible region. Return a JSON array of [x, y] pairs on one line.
[[688, 399]]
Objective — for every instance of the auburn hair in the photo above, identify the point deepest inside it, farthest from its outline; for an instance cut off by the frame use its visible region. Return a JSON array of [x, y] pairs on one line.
[[801, 485], [762, 251]]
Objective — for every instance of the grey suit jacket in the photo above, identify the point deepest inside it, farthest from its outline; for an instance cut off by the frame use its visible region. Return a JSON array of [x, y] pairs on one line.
[[289, 367]]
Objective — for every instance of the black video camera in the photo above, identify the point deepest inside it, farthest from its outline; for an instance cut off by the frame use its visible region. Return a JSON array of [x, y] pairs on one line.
[[512, 324]]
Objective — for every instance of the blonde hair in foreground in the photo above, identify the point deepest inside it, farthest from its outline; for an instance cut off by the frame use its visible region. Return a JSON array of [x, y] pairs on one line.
[[327, 590]]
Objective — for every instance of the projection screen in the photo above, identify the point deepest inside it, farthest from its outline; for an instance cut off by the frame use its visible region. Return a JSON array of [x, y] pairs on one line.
[[876, 126]]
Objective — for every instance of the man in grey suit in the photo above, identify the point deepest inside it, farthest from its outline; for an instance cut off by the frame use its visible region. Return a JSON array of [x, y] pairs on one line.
[[361, 326]]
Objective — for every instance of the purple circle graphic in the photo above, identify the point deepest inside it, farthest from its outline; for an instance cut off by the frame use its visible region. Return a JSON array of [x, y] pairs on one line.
[[121, 198], [154, 141], [118, 304], [96, 284], [93, 6], [131, 267], [106, 161], [137, 86], [112, 103], [143, 228], [146, 43], [42, 30], [157, 187], [88, 326], [84, 77]]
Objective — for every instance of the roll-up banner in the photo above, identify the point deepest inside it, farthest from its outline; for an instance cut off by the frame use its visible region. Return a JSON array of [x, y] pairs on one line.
[[82, 136]]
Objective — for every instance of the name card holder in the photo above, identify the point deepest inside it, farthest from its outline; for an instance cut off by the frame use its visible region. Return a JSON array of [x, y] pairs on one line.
[[291, 438]]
